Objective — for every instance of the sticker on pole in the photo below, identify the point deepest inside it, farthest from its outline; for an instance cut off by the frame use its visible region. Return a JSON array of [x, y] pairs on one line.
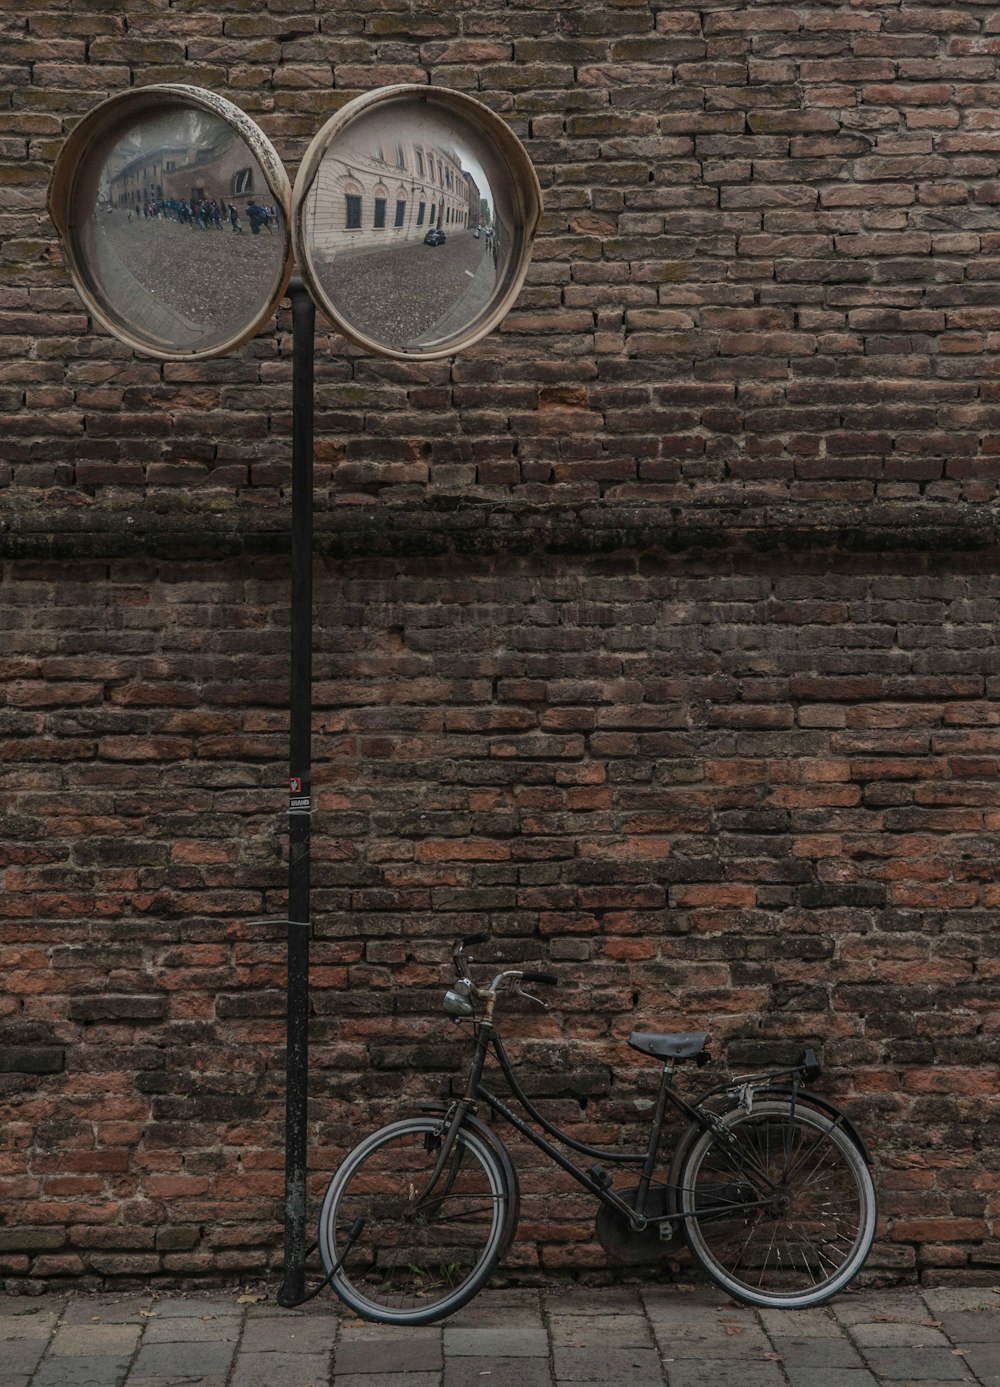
[[298, 803]]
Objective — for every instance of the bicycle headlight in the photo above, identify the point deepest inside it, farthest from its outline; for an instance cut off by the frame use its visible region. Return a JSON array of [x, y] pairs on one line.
[[456, 999]]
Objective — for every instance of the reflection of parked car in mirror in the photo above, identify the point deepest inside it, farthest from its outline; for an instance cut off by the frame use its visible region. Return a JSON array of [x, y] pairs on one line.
[[475, 232], [435, 237]]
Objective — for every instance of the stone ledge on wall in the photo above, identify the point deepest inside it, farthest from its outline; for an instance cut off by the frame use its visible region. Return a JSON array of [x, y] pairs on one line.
[[470, 526]]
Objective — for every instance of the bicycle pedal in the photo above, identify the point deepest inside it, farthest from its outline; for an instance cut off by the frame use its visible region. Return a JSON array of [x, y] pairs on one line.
[[599, 1176]]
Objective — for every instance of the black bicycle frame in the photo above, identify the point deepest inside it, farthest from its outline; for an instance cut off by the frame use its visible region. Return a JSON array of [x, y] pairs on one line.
[[487, 1038]]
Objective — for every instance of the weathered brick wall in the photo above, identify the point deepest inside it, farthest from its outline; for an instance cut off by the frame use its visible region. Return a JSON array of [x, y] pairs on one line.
[[754, 796], [658, 629]]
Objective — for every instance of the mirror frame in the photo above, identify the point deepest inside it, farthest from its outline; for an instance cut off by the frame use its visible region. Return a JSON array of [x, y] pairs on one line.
[[526, 202], [65, 190]]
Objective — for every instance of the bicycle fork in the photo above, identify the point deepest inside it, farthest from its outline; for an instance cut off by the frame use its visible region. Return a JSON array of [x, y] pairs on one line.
[[454, 1118]]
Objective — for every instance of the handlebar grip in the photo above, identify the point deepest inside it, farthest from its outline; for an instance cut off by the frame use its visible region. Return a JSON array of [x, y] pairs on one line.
[[529, 975], [483, 937]]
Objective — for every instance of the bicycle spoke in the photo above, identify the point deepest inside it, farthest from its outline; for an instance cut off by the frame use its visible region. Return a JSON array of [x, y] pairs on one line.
[[800, 1238], [430, 1237]]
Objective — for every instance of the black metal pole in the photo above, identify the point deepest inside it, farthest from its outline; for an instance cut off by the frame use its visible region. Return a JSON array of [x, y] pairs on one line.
[[299, 793]]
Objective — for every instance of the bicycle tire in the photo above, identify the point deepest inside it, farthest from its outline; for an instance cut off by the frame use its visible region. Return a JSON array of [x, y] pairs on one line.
[[781, 1212], [420, 1253]]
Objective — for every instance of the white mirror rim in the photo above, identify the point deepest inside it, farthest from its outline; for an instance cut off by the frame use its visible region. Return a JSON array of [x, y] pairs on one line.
[[75, 168], [522, 192]]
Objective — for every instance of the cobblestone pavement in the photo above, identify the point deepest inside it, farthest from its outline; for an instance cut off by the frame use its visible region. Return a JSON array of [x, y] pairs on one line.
[[649, 1336]]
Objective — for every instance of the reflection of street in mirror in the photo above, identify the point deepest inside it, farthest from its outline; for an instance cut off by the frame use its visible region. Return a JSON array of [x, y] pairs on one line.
[[404, 231], [183, 238]]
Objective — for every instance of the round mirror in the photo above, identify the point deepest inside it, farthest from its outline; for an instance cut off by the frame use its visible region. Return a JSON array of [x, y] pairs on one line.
[[173, 209], [413, 215]]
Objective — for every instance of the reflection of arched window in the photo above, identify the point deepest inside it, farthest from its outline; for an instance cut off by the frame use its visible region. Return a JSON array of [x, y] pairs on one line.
[[400, 211], [420, 162], [400, 161], [421, 207], [381, 198], [352, 204], [242, 182]]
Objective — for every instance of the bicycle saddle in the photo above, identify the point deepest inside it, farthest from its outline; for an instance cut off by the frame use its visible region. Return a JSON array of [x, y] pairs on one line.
[[671, 1047]]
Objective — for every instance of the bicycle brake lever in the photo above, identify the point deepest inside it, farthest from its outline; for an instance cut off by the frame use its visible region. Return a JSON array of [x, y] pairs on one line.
[[531, 997]]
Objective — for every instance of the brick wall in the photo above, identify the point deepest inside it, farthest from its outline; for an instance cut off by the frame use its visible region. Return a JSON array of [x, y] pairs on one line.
[[658, 630]]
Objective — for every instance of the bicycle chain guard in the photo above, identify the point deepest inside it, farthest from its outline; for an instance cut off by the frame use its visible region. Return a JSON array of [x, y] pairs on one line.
[[623, 1245]]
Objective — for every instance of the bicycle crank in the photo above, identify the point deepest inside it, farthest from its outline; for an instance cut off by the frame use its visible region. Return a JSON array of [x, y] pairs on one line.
[[622, 1244]]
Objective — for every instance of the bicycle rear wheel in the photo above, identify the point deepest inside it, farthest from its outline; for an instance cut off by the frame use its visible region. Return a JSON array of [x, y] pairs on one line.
[[414, 1251], [781, 1205]]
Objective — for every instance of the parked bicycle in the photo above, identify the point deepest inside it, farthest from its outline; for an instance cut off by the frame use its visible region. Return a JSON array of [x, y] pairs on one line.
[[769, 1184]]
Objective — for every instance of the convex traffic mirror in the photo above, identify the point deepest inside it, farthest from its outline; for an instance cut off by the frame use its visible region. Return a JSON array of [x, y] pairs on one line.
[[174, 212], [414, 212], [413, 217]]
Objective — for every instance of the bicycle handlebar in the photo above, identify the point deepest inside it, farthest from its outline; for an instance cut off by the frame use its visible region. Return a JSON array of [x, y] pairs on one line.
[[518, 974]]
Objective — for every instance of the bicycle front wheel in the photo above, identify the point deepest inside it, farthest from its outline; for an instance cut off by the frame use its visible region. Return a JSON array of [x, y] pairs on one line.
[[415, 1246], [781, 1205]]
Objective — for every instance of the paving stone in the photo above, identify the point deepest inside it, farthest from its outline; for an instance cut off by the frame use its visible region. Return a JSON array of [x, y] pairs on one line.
[[950, 1298], [496, 1343], [813, 1376], [400, 1379], [20, 1356], [817, 1353], [738, 1342], [700, 1320], [81, 1371], [15, 1306], [288, 1369], [494, 1372], [389, 1351], [195, 1360], [108, 1310], [916, 1364], [96, 1340], [28, 1326], [904, 1307], [485, 1313], [898, 1335], [598, 1340], [325, 1307], [970, 1327], [984, 1360], [193, 1306], [639, 1367], [174, 1381], [202, 1329], [291, 1335], [519, 1298], [611, 1300], [715, 1372], [604, 1329], [800, 1324]]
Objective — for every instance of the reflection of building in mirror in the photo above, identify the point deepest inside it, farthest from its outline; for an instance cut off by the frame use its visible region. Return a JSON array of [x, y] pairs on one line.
[[176, 172], [390, 191]]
